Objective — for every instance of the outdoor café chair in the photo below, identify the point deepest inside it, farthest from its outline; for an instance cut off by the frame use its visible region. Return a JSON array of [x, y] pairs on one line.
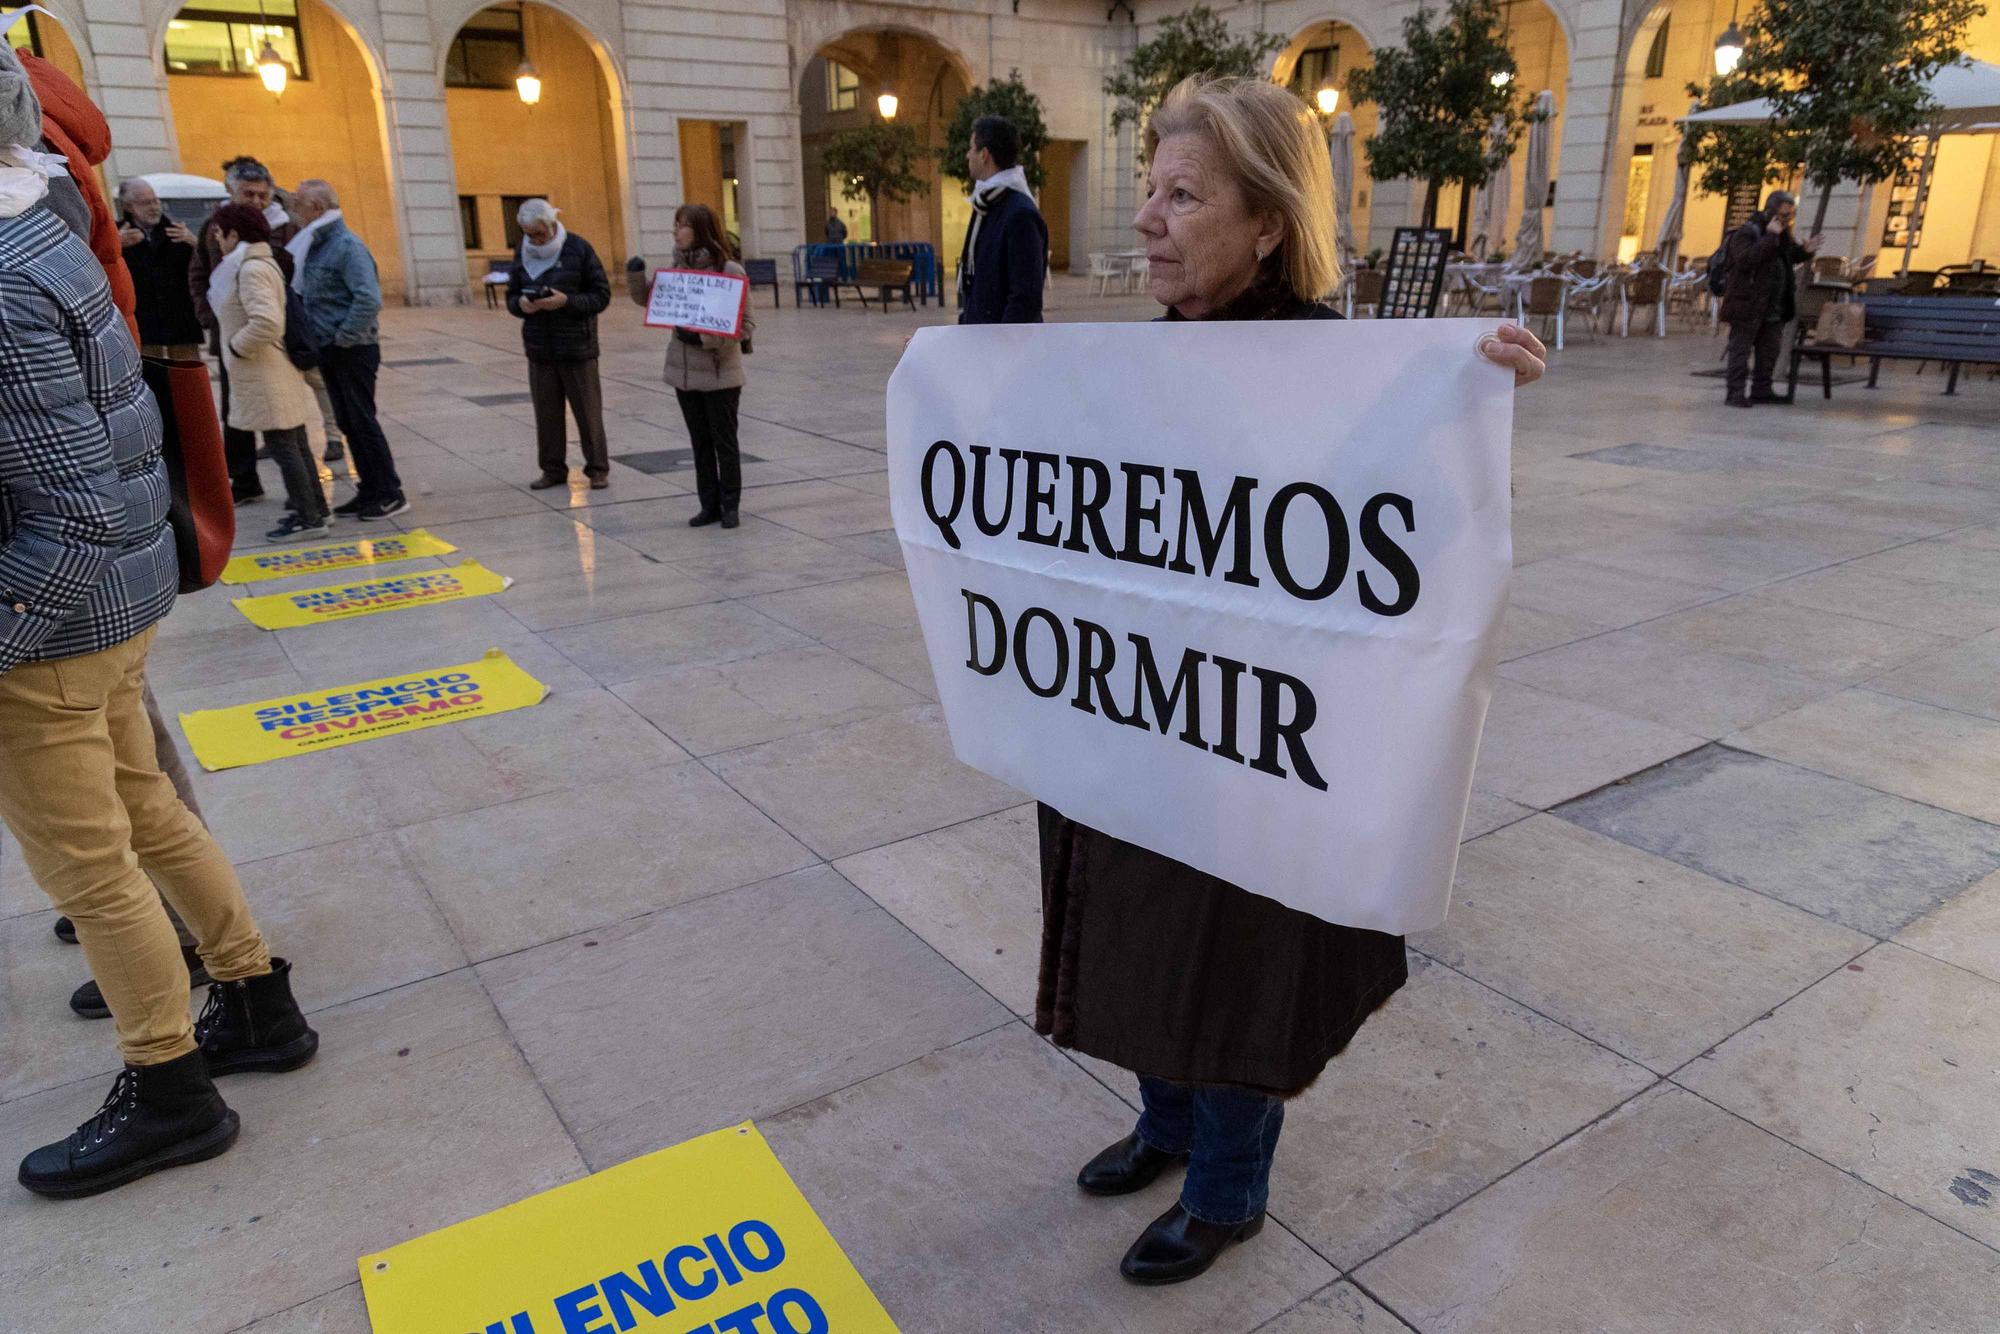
[[1647, 287], [1545, 297], [1364, 288]]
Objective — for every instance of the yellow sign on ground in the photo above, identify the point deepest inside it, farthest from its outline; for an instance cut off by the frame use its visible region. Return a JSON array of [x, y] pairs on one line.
[[330, 556], [339, 602], [272, 729], [707, 1237]]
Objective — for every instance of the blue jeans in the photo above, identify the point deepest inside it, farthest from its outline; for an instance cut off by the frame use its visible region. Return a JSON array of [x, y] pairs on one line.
[[1230, 1135]]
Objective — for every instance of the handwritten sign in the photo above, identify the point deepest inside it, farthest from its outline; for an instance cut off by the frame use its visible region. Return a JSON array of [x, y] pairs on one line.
[[707, 1237], [710, 303]]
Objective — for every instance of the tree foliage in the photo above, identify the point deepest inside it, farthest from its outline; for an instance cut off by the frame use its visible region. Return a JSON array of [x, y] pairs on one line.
[[1847, 80], [1196, 42], [1732, 157], [1438, 100], [1007, 97], [876, 162]]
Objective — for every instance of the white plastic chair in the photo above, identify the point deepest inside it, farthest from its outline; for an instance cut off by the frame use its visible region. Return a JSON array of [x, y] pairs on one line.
[[1104, 270]]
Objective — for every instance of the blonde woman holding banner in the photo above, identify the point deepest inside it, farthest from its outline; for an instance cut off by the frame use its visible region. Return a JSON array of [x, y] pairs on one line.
[[1224, 1002]]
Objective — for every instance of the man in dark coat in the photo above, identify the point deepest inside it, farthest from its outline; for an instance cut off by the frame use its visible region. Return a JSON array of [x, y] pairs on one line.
[[1761, 298], [557, 288], [157, 251], [1006, 255]]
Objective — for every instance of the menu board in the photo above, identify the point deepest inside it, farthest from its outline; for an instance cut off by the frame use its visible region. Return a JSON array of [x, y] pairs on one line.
[[1415, 278]]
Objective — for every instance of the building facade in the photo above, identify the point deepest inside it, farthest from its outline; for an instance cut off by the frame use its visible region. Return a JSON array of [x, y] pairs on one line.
[[409, 107]]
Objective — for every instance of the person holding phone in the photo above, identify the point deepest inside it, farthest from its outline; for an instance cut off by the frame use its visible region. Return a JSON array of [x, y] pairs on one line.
[[1761, 297], [706, 370], [557, 288], [157, 251]]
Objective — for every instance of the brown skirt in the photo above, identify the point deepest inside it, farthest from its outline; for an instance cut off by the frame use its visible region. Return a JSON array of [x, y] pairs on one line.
[[1167, 971]]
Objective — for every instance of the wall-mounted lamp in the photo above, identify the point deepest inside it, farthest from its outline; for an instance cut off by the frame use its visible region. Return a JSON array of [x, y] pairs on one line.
[[886, 104]]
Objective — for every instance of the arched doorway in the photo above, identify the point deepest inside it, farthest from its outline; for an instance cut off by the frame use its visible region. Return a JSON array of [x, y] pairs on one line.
[[1323, 55], [840, 90], [565, 146], [326, 124], [1541, 58]]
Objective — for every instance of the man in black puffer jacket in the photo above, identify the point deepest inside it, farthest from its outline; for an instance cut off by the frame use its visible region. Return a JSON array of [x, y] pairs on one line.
[[1761, 297], [557, 288]]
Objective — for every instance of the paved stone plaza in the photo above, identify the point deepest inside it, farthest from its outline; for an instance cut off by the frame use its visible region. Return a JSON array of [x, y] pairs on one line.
[[1710, 1042]]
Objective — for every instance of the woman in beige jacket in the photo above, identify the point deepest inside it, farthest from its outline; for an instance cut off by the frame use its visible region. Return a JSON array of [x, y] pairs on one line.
[[705, 371], [267, 393]]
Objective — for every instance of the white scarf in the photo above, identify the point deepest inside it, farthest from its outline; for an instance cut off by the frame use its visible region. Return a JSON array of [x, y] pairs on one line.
[[223, 280], [300, 244], [24, 178], [537, 260], [984, 196]]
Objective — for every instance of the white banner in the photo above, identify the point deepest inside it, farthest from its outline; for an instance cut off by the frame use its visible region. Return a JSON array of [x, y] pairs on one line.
[[710, 303], [1228, 591]]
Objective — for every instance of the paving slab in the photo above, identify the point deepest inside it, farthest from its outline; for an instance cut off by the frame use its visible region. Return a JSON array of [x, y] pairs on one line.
[[1539, 749], [1638, 953], [1847, 853], [342, 1311], [534, 870], [453, 1125], [631, 647], [1964, 931], [1674, 1214], [1884, 1069], [951, 1184], [723, 706], [1965, 678], [853, 610], [1928, 754], [1444, 1090], [845, 789], [973, 891], [653, 1031], [1340, 1308]]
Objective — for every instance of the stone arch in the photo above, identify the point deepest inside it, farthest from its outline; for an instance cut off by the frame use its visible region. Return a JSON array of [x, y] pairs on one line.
[[330, 136], [75, 33], [603, 210], [1279, 66]]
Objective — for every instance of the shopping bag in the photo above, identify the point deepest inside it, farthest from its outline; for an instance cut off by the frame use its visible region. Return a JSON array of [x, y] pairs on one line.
[[1841, 324]]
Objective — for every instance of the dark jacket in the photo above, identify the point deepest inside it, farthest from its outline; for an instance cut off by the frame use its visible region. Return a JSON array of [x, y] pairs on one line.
[[1760, 286], [86, 557], [1010, 256], [1168, 971], [569, 334], [159, 266]]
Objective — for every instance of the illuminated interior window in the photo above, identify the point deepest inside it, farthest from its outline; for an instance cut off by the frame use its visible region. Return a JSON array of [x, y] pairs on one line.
[[225, 37]]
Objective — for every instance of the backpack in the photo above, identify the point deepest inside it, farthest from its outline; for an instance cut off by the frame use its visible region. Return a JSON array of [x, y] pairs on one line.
[[300, 349], [1718, 268]]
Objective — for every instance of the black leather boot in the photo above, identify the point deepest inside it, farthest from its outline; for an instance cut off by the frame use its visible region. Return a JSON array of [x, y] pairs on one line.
[[157, 1116], [254, 1024], [88, 1000], [1177, 1246], [65, 931], [729, 519], [705, 518], [1130, 1164]]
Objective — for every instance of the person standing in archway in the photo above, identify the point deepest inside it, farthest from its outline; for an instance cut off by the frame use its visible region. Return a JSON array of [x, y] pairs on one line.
[[1006, 258], [557, 288]]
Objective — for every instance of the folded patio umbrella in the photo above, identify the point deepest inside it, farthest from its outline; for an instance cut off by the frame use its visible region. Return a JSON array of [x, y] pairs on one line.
[[1340, 154], [1669, 243], [1493, 196], [1535, 187]]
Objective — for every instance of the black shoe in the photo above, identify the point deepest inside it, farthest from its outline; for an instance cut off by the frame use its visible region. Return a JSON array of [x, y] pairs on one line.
[[88, 1001], [247, 497], [544, 482], [65, 931], [1736, 401], [296, 529], [157, 1116], [254, 1024], [1770, 398], [599, 483], [383, 509], [729, 519], [1177, 1246], [351, 506], [1130, 1164], [335, 452], [703, 519]]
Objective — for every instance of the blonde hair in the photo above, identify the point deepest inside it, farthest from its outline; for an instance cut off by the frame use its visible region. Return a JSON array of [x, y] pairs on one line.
[[1268, 140]]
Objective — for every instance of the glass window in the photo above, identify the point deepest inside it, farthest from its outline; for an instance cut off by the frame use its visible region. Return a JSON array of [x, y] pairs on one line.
[[510, 210], [24, 34], [843, 87], [1315, 70], [1656, 55], [225, 37], [468, 220], [488, 51]]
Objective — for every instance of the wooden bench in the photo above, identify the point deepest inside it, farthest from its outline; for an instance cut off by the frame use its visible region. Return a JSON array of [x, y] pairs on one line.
[[764, 273], [1955, 330], [885, 276], [822, 279]]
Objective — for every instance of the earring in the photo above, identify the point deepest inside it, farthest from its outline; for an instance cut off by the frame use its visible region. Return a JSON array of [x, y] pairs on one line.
[[1260, 254]]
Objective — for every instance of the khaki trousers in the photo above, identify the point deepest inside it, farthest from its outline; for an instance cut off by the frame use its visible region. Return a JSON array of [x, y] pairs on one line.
[[82, 791]]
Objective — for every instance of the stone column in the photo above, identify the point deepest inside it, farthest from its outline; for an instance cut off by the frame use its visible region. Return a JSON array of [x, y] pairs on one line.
[[129, 88], [1589, 127], [419, 150]]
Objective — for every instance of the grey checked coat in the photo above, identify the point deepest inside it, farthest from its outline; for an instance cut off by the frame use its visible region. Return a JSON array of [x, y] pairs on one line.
[[86, 557]]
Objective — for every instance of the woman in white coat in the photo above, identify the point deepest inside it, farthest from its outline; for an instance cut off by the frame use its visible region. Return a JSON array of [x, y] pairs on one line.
[[267, 393]]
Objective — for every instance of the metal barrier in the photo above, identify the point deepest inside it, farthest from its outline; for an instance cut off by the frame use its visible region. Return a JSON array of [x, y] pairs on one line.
[[926, 274]]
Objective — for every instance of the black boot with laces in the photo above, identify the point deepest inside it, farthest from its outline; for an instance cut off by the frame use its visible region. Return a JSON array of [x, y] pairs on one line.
[[157, 1116], [254, 1024]]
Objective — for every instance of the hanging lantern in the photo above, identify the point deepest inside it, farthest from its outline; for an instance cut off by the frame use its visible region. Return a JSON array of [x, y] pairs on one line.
[[1728, 49], [271, 69], [1328, 98], [528, 83], [1501, 78], [886, 104]]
